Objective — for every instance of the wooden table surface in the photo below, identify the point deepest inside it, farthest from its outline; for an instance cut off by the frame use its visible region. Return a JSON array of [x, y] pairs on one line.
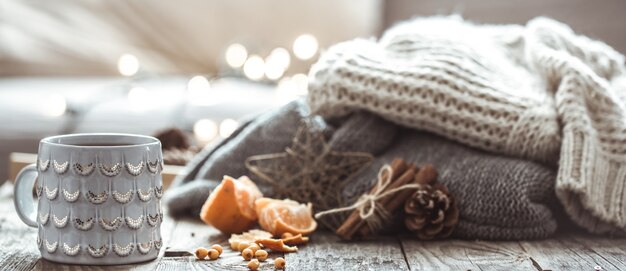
[[18, 251]]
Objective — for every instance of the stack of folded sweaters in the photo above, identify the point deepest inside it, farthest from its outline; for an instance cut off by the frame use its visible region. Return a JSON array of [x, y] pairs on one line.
[[522, 122]]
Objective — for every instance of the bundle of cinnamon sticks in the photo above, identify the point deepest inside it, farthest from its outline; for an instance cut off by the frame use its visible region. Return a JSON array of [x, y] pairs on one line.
[[402, 173]]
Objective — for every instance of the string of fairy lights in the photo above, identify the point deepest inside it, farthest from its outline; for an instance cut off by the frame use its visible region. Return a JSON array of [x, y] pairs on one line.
[[272, 68]]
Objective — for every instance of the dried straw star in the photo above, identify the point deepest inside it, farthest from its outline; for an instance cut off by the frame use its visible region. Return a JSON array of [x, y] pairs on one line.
[[309, 170]]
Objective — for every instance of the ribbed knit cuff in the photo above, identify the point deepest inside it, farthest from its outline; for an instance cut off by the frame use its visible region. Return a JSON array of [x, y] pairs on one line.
[[591, 184]]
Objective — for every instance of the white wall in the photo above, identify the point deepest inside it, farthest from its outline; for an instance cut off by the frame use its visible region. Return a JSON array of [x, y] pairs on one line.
[[67, 37]]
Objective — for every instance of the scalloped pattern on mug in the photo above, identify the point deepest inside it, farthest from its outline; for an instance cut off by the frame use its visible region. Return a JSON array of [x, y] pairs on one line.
[[135, 170], [97, 252], [51, 194], [84, 169], [144, 248], [59, 222], [153, 220], [158, 244], [110, 171], [84, 225], [123, 251], [123, 198], [43, 165], [71, 196], [153, 167], [71, 250], [60, 168], [110, 225], [158, 192], [144, 196], [97, 198], [43, 218], [51, 248], [94, 191], [134, 223]]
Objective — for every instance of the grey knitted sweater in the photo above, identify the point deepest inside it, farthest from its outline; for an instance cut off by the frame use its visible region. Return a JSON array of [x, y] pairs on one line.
[[537, 91], [499, 197]]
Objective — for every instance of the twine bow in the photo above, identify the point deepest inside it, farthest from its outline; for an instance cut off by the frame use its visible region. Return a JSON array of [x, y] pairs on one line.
[[369, 209]]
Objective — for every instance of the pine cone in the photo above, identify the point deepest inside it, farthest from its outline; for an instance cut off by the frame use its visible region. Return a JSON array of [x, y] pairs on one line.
[[431, 212], [173, 138]]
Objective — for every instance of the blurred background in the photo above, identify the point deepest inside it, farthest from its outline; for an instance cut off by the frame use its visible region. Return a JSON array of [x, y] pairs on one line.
[[202, 66]]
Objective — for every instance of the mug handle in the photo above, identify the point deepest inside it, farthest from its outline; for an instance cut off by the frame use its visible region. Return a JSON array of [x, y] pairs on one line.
[[22, 195]]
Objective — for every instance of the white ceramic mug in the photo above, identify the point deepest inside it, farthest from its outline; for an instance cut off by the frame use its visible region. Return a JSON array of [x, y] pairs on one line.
[[98, 198]]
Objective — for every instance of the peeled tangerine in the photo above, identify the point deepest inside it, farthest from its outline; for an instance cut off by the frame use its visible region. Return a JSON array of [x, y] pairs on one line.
[[230, 207], [281, 216]]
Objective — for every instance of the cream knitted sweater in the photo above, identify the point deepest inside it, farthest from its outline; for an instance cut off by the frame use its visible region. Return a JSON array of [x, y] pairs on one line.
[[537, 91]]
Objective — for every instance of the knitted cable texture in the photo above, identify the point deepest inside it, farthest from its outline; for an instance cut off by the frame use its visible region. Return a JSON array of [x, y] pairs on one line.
[[539, 92]]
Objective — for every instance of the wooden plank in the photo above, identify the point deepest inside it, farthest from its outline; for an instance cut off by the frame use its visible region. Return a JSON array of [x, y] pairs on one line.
[[465, 255], [326, 251], [18, 249], [18, 160], [566, 253], [16, 253], [611, 249], [191, 234], [174, 264]]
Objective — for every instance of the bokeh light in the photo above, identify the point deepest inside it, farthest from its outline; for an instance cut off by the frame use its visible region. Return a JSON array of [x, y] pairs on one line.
[[236, 55], [305, 46], [198, 85], [273, 70], [227, 127], [128, 65], [276, 63], [205, 130], [254, 67], [199, 91], [281, 57]]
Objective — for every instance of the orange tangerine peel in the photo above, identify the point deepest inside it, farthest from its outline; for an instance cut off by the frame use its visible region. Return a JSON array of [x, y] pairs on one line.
[[295, 240], [230, 207], [248, 237], [275, 245]]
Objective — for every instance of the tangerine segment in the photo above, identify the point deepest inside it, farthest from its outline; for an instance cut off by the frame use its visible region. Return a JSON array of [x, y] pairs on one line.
[[247, 196], [275, 245], [229, 206], [281, 216]]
